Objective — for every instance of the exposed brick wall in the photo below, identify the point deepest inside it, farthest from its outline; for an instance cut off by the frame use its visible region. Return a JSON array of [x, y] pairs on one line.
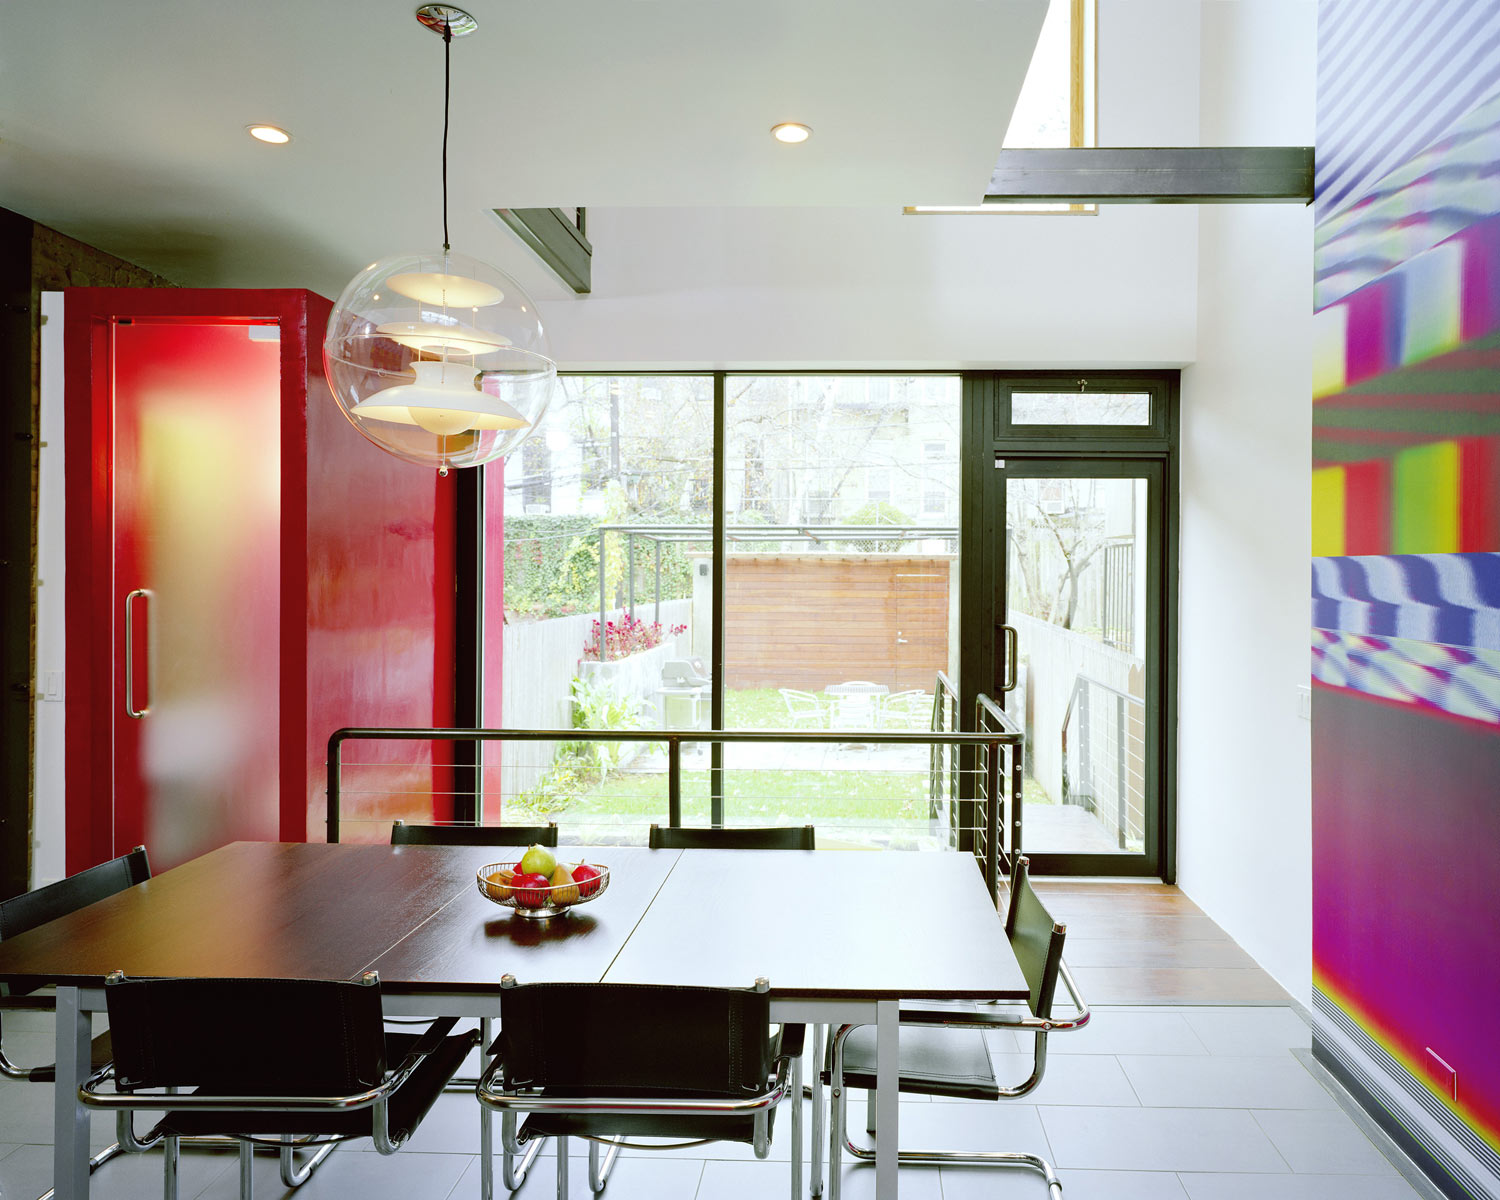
[[58, 261]]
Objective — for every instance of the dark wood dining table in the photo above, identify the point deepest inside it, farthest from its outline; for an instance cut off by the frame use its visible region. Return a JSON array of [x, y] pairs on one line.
[[841, 936]]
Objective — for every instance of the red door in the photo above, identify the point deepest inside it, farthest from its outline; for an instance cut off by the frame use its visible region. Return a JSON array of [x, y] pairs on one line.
[[278, 576], [196, 584]]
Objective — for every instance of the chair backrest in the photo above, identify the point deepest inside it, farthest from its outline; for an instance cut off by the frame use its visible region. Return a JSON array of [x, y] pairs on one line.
[[473, 835], [258, 1037], [595, 1037], [1036, 939], [44, 904], [776, 837]]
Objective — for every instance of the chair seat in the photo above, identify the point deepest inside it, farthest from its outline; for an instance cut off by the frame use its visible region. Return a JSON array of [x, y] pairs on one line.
[[408, 1104], [678, 1128], [935, 1061], [789, 1040], [100, 1052]]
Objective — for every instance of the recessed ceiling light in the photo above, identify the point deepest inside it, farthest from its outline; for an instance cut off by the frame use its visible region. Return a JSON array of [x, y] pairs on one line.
[[269, 133], [791, 132]]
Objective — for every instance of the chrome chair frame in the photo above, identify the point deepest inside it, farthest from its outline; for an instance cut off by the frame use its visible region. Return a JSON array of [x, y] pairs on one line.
[[840, 1141], [1039, 1027], [784, 1082], [137, 868], [124, 1105]]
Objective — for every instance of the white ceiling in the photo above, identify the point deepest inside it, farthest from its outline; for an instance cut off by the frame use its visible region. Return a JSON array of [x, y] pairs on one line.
[[123, 123]]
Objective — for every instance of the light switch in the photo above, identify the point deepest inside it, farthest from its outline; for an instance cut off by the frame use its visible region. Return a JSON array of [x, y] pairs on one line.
[[1304, 702], [52, 686]]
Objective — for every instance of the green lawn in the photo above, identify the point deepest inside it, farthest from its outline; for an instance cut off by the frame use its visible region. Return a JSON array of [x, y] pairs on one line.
[[751, 796], [757, 708], [772, 796]]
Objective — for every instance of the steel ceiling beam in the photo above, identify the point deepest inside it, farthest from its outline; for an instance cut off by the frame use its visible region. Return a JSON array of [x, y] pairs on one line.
[[556, 239], [1155, 175]]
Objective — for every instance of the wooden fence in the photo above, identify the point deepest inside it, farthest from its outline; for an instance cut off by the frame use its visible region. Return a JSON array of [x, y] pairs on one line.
[[810, 620]]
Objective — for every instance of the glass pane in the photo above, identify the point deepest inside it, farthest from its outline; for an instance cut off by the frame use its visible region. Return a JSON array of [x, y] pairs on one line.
[[1080, 408], [197, 460], [1042, 116], [841, 593], [620, 474], [1076, 593]]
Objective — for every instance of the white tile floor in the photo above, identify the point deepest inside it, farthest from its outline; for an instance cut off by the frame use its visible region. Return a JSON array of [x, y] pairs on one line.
[[1145, 1104]]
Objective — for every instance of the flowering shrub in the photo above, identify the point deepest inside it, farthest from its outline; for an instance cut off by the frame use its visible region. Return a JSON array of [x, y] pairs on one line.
[[626, 636]]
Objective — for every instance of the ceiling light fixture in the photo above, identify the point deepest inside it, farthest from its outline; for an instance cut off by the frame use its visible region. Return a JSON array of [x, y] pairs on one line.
[[791, 132], [438, 358], [272, 135]]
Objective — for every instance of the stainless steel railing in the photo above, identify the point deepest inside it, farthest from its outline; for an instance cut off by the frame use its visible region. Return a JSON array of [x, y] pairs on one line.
[[988, 749]]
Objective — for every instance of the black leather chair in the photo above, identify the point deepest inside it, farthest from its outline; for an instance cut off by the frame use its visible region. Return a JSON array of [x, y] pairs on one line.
[[403, 834], [943, 1051], [615, 1061], [30, 909], [298, 1064], [778, 837]]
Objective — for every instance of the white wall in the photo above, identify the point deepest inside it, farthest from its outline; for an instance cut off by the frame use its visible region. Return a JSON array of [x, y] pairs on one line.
[[1244, 826], [871, 288], [48, 833]]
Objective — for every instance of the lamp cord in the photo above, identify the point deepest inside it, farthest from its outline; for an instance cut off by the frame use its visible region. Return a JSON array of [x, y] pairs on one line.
[[447, 56]]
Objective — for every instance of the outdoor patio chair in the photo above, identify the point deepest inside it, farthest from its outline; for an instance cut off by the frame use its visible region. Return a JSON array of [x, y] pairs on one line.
[[856, 704], [43, 904], [943, 1051], [609, 1062], [403, 834], [911, 709], [296, 1064], [802, 708]]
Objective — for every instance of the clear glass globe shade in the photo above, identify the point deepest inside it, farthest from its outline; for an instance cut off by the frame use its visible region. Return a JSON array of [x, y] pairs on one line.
[[439, 359]]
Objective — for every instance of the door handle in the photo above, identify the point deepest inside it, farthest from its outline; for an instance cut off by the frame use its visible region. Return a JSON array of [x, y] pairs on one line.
[[130, 708], [1009, 639]]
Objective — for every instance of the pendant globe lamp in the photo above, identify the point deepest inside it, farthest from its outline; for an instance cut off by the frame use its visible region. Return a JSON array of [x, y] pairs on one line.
[[436, 357]]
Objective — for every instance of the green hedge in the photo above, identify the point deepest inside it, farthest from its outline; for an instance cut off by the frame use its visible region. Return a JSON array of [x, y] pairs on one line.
[[552, 567]]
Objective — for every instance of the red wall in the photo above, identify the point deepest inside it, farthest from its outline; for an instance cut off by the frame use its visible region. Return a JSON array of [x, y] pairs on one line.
[[367, 601]]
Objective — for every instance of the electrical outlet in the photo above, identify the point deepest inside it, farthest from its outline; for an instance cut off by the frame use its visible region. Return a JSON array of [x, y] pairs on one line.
[[1304, 702], [1445, 1076]]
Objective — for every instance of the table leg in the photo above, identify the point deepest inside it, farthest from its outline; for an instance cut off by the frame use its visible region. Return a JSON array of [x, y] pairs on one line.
[[486, 1125], [887, 1097], [70, 1148]]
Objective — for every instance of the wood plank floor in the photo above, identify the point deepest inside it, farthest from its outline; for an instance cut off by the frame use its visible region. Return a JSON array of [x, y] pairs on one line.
[[1147, 943]]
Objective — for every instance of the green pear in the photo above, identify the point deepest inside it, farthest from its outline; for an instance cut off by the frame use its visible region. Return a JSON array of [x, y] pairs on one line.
[[538, 860]]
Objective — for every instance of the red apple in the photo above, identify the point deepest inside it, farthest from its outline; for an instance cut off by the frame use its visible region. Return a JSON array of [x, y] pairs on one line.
[[531, 890], [588, 878]]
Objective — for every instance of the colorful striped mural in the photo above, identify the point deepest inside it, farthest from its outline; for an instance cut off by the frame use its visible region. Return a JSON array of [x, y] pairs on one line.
[[1406, 573]]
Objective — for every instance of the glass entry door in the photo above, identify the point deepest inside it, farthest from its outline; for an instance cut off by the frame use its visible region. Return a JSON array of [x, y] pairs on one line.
[[1076, 549]]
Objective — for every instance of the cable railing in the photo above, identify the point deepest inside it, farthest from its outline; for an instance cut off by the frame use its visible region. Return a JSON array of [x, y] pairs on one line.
[[856, 785], [1001, 783], [1104, 759]]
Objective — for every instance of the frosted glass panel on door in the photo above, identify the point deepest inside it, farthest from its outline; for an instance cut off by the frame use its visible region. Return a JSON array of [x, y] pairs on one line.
[[198, 548]]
